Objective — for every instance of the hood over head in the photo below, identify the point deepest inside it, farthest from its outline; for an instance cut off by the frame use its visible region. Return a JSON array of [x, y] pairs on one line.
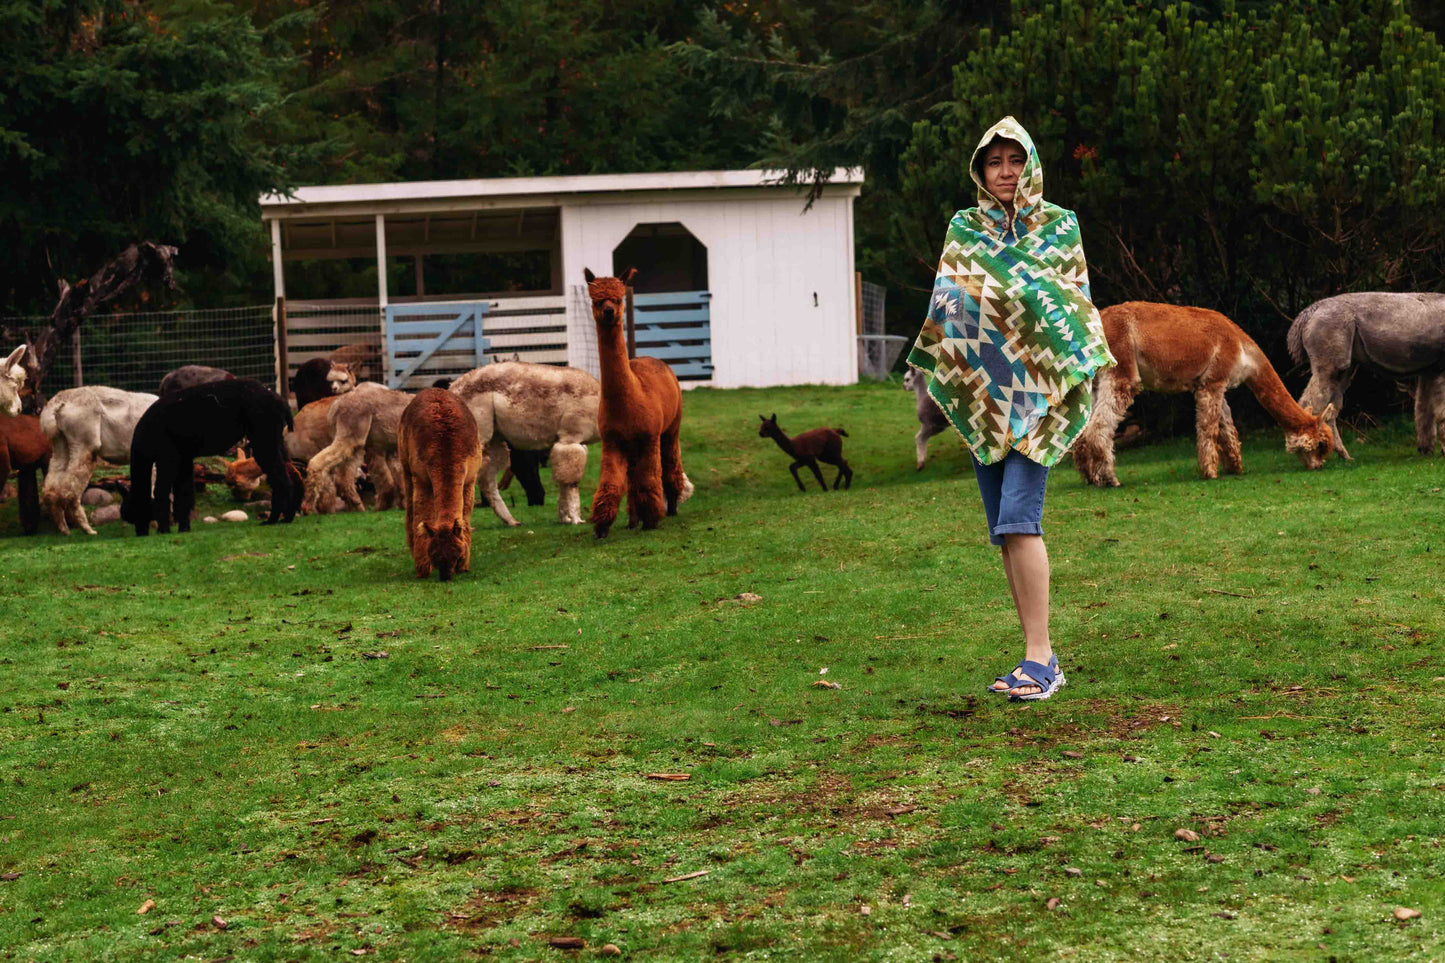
[[1031, 182]]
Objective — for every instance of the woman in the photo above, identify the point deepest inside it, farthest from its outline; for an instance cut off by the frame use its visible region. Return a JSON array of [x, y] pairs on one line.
[[1010, 348]]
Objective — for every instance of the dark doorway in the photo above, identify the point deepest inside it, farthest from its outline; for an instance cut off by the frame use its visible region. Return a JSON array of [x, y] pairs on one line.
[[667, 258]]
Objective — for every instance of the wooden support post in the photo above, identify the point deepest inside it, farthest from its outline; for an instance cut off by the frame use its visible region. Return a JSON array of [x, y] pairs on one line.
[[283, 362], [631, 327], [858, 299], [75, 355]]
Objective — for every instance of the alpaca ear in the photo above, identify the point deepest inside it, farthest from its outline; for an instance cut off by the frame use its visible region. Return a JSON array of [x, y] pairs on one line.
[[14, 358], [1328, 412], [427, 528], [774, 418], [627, 276], [587, 273]]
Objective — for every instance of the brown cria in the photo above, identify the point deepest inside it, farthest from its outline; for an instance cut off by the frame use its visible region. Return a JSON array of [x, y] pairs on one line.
[[809, 448], [441, 454], [25, 450], [1171, 348], [639, 418]]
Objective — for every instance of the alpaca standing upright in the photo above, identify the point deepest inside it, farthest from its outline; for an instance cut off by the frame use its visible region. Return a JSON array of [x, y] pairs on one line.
[[363, 425], [85, 424], [25, 450], [640, 418], [1170, 348], [441, 454], [809, 448]]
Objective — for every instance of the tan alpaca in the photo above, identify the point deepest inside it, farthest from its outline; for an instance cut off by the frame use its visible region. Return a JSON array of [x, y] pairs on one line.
[[363, 423], [86, 424], [1171, 348], [441, 454], [534, 407]]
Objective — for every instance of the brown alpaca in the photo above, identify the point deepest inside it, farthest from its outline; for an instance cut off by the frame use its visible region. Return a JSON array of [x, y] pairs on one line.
[[363, 425], [441, 454], [639, 418], [1170, 348], [25, 450], [809, 448]]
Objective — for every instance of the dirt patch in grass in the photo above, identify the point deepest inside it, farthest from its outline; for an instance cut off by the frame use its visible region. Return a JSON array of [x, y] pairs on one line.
[[485, 910]]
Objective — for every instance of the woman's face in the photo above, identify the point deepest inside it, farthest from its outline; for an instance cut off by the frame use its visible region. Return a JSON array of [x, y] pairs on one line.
[[1003, 165]]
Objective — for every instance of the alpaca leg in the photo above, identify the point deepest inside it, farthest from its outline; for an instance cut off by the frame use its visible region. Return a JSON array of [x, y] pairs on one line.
[[184, 495], [1094, 450], [920, 446], [610, 488], [271, 457], [498, 458], [408, 507], [845, 475], [166, 467], [644, 486], [469, 495], [52, 501], [1439, 395], [421, 497], [385, 479], [794, 469], [1207, 404], [1327, 387], [29, 497], [319, 476], [675, 486], [1227, 442], [1425, 405], [817, 473], [569, 464]]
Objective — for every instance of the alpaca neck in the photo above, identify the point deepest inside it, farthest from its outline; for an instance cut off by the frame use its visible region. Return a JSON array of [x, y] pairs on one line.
[[1273, 395], [618, 381], [784, 442]]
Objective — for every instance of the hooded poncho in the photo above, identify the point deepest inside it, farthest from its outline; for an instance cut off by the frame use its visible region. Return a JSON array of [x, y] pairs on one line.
[[1012, 341]]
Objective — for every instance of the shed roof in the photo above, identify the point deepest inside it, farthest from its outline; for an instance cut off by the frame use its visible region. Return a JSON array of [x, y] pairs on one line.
[[401, 195]]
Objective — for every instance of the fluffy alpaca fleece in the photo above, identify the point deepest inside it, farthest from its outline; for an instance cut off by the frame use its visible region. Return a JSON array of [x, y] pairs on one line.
[[12, 379], [441, 454], [320, 378], [1400, 334], [640, 419], [533, 407], [83, 425], [1170, 348], [25, 450], [931, 420], [363, 425], [208, 419], [190, 375], [311, 434]]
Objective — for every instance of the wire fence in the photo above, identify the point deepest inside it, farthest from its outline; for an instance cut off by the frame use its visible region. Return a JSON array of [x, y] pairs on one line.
[[134, 351], [582, 332], [877, 352]]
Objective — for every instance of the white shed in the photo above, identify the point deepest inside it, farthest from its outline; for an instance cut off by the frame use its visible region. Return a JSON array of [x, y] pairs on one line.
[[740, 281]]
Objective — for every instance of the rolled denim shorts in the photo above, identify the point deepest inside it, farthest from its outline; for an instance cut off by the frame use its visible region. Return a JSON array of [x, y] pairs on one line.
[[1013, 495]]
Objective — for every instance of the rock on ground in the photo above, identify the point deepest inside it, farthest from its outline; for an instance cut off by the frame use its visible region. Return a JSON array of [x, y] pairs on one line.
[[235, 515], [105, 514], [96, 496]]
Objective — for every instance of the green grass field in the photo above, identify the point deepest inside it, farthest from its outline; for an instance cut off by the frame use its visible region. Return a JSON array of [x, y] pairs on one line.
[[290, 749]]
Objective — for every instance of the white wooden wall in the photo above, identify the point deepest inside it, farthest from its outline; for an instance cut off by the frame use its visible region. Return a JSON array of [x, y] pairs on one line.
[[766, 259]]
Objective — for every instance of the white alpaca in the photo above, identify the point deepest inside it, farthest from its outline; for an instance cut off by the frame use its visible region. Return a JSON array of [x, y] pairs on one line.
[[12, 379], [84, 424], [534, 407]]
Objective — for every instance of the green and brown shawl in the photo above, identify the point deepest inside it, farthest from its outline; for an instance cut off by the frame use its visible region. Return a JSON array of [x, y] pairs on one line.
[[1012, 341]]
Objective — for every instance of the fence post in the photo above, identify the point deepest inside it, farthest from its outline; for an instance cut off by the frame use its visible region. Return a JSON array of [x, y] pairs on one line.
[[858, 299], [631, 327], [282, 361], [75, 355]]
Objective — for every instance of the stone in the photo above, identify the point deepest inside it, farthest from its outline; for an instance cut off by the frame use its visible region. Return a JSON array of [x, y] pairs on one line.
[[209, 519], [96, 497], [105, 514], [235, 515]]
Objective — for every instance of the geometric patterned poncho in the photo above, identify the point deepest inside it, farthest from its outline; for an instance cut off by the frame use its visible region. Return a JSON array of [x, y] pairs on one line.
[[1012, 341]]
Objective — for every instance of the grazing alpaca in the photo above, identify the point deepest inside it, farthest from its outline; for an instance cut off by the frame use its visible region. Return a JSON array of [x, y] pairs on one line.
[[208, 419], [1400, 335], [190, 375], [931, 419], [533, 407], [320, 378], [809, 448], [363, 425], [526, 467], [25, 450], [12, 379], [441, 454], [83, 425], [1169, 348], [639, 418]]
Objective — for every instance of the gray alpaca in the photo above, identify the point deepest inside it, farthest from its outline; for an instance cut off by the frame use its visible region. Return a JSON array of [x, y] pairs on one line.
[[1402, 335], [930, 418]]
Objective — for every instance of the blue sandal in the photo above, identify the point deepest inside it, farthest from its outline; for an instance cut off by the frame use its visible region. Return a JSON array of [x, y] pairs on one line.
[[1013, 680], [1049, 679]]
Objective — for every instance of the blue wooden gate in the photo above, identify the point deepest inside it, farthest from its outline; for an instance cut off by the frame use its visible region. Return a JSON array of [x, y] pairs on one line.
[[675, 326], [438, 339]]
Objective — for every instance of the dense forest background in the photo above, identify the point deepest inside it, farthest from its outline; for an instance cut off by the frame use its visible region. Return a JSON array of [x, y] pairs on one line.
[[1246, 156]]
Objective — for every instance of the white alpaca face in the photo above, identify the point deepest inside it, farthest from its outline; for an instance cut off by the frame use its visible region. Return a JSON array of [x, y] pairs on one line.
[[341, 378], [12, 379]]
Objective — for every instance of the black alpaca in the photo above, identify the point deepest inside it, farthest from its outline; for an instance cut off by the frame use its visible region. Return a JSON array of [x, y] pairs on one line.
[[526, 467], [310, 384], [208, 419], [809, 448]]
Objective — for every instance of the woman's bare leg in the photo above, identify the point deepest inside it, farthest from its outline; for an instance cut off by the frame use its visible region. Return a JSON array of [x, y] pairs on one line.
[[1026, 563]]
